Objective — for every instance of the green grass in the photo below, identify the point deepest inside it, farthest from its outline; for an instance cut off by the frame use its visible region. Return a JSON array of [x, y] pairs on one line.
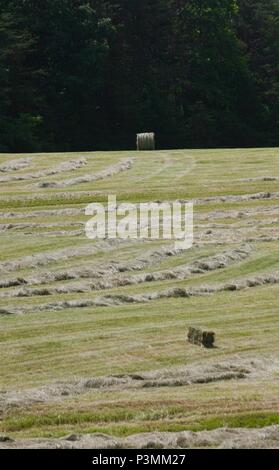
[[42, 347]]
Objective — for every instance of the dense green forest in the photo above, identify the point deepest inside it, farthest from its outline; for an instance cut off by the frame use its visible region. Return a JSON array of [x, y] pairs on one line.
[[89, 74]]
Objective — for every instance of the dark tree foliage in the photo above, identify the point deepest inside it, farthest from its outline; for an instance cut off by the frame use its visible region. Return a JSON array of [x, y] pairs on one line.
[[18, 97], [258, 29], [90, 74]]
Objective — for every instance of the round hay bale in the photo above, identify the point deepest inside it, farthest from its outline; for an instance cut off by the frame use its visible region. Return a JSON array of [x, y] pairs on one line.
[[146, 141]]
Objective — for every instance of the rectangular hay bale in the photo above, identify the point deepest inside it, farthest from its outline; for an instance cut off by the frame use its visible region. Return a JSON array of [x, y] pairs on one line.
[[201, 338]]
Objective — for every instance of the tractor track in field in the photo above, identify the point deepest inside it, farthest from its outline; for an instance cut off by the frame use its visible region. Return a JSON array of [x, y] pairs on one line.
[[68, 165], [113, 170], [112, 275], [110, 300], [15, 165], [233, 368], [242, 214], [223, 438]]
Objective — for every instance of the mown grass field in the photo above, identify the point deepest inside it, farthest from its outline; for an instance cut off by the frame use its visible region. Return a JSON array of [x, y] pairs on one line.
[[54, 334]]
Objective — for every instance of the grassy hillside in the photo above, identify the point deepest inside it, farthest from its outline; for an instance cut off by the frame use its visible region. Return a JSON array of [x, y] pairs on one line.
[[93, 333]]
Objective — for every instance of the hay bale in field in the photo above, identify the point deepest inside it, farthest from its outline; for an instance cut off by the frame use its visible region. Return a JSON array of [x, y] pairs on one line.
[[201, 338], [6, 439], [208, 339], [195, 336], [146, 141]]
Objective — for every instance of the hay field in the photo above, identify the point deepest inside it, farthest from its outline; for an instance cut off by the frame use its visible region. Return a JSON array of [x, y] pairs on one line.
[[93, 333]]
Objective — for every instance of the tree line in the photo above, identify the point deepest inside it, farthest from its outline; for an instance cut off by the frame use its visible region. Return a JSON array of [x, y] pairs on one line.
[[89, 74]]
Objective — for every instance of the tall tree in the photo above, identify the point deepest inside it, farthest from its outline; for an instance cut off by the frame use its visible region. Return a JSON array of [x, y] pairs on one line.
[[19, 120], [258, 29], [140, 64], [72, 49], [217, 92], [89, 74]]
